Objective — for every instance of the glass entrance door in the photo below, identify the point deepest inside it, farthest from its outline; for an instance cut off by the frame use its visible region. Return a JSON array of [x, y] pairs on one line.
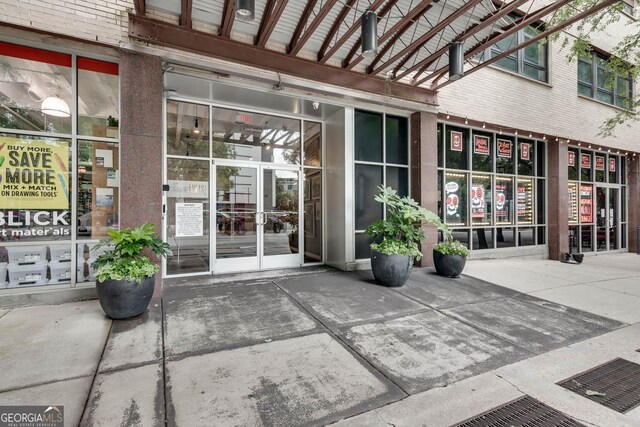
[[607, 215], [257, 217]]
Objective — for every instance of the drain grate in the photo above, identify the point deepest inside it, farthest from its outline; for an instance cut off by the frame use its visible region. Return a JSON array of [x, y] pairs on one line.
[[615, 384], [525, 411]]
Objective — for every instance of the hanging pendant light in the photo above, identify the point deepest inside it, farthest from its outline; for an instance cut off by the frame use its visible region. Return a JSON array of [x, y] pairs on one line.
[[369, 34], [245, 10], [54, 106], [456, 61], [196, 129]]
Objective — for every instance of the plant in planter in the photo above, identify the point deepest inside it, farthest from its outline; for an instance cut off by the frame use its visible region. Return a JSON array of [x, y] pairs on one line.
[[450, 255], [396, 239], [125, 274]]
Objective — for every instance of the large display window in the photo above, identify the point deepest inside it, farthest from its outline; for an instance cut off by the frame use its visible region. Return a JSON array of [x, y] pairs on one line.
[[492, 187], [56, 188]]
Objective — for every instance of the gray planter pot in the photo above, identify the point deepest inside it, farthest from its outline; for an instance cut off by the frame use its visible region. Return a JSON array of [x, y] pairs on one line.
[[448, 265], [121, 299], [390, 270]]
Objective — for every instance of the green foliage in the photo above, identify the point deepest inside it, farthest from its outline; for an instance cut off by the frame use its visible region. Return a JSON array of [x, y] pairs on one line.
[[127, 260], [401, 233], [625, 55], [452, 247]]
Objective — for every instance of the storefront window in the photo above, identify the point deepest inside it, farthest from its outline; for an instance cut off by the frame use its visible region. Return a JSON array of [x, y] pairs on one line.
[[525, 157], [456, 148], [524, 204], [376, 167], [504, 154], [481, 200], [504, 200], [188, 131], [455, 188], [37, 181], [482, 159]]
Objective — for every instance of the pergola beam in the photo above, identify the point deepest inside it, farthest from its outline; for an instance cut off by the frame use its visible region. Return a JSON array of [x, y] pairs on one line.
[[471, 31], [578, 17], [166, 34], [399, 29], [298, 44], [185, 13], [228, 17], [270, 19], [302, 22], [322, 56]]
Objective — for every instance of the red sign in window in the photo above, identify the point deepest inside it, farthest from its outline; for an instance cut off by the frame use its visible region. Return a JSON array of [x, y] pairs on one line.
[[585, 161], [504, 148], [481, 145], [456, 141], [571, 158], [600, 163]]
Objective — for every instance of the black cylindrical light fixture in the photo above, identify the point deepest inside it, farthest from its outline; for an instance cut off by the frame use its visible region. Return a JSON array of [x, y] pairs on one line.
[[456, 61], [369, 33], [245, 9]]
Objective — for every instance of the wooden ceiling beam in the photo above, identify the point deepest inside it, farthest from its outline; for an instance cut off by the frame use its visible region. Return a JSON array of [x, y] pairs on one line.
[[302, 22], [324, 57], [185, 13], [270, 19], [577, 17], [298, 44], [492, 39], [399, 29], [471, 31], [162, 33], [228, 17], [346, 62], [408, 52]]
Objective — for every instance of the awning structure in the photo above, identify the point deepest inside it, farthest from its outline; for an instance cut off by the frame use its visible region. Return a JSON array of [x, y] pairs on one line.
[[321, 39]]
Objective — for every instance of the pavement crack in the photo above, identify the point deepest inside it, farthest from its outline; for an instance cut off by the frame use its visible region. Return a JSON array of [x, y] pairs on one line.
[[526, 394], [383, 420]]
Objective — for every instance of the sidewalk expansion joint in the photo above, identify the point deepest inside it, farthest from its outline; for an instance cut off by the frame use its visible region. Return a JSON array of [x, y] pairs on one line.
[[38, 384], [95, 374], [164, 363], [129, 366], [344, 343]]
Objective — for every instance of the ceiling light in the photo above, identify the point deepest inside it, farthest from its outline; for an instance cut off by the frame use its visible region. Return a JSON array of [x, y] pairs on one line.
[[466, 121], [369, 30], [484, 125], [245, 10], [578, 144], [54, 106], [456, 61]]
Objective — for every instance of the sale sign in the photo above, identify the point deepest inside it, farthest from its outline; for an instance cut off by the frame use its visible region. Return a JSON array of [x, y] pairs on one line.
[[525, 151], [34, 174], [456, 141], [481, 145], [504, 148]]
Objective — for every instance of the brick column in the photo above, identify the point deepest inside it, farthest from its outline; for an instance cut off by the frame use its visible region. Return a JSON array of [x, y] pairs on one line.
[[558, 200], [633, 211], [141, 131], [424, 174]]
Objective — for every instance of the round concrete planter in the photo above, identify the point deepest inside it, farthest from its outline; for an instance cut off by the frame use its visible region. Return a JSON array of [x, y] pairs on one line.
[[448, 265], [390, 270], [121, 299]]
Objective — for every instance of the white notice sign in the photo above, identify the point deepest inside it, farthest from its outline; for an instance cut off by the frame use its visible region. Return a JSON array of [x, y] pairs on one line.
[[189, 219]]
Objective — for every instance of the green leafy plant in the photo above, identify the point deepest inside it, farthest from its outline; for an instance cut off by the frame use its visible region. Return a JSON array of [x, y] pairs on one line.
[[401, 233], [128, 259], [452, 247]]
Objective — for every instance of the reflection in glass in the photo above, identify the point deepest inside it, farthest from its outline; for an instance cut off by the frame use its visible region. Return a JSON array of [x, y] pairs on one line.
[[313, 215], [312, 144], [236, 202], [504, 200], [255, 137], [397, 149], [188, 215], [363, 250], [367, 180], [525, 157], [504, 154], [98, 98], [526, 236], [524, 204], [505, 237], [601, 218], [613, 218], [456, 148], [368, 136], [482, 158], [26, 83], [188, 130], [280, 212], [98, 188], [398, 179], [482, 238]]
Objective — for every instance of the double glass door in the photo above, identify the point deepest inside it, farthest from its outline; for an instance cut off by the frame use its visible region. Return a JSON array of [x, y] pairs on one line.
[[257, 216], [607, 218]]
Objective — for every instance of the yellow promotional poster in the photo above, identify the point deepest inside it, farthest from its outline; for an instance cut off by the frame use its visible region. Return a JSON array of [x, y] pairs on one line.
[[34, 174]]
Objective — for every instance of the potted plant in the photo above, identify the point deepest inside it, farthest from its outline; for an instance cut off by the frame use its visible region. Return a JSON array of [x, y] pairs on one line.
[[449, 255], [396, 239], [125, 274]]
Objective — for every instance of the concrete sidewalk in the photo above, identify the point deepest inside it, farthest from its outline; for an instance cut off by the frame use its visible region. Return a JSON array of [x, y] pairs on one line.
[[324, 346]]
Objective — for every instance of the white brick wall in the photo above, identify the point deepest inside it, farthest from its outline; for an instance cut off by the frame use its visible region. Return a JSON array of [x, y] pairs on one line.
[[104, 21], [499, 97]]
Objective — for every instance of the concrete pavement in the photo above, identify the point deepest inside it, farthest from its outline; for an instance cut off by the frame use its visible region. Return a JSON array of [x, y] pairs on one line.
[[321, 347]]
